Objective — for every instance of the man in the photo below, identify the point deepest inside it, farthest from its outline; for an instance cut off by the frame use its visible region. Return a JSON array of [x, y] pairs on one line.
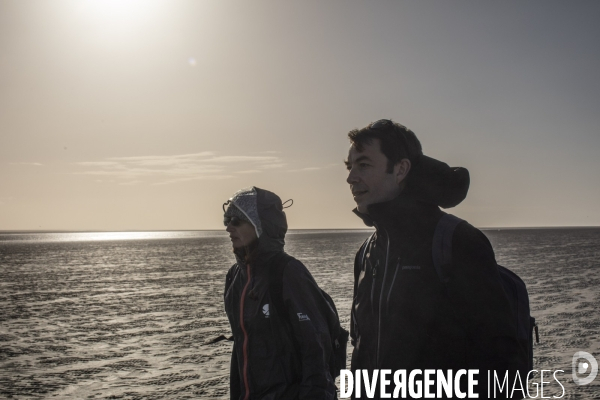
[[404, 317]]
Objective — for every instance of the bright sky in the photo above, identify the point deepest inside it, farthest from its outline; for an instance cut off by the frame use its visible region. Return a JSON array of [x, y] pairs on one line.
[[148, 115]]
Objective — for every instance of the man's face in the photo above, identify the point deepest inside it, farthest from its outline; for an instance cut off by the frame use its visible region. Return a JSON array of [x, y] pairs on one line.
[[367, 176]]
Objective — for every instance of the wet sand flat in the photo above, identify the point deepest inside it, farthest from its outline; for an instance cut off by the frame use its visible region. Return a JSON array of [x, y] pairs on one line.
[[129, 319]]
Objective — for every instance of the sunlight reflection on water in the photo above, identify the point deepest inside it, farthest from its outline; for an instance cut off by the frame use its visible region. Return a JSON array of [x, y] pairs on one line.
[[104, 236], [36, 237]]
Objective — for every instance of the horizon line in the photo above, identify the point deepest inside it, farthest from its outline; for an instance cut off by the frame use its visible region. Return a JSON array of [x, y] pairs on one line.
[[17, 231]]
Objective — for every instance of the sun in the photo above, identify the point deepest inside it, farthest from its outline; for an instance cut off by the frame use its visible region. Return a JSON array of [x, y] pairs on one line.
[[116, 8], [117, 19]]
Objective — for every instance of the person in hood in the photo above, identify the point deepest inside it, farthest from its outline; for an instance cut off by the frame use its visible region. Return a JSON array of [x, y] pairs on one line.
[[274, 356], [403, 316]]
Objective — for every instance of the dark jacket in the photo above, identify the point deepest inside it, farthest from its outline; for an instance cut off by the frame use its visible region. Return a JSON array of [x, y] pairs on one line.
[[404, 317], [275, 357]]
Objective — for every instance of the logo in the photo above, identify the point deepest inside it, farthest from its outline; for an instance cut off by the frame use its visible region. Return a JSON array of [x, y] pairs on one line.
[[303, 317], [265, 310], [437, 384], [581, 367]]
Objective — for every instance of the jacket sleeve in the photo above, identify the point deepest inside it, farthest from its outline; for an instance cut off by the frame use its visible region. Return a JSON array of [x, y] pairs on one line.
[[357, 269], [307, 314], [476, 290]]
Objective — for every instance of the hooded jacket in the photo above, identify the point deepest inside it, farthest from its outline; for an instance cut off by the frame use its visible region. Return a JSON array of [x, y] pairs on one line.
[[403, 316], [274, 357]]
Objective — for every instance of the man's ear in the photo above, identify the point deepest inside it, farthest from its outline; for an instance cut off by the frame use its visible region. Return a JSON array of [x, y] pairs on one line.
[[401, 170]]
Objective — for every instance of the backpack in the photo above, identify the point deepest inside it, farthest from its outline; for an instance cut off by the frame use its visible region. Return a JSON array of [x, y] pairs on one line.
[[513, 286], [339, 336]]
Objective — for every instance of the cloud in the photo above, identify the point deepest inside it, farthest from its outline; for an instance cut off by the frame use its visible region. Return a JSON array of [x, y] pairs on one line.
[[195, 178], [27, 163], [162, 170], [272, 166], [340, 165], [179, 156], [305, 169], [99, 163]]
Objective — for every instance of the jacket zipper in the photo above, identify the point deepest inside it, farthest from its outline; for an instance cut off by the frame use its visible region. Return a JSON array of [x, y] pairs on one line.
[[387, 304], [373, 275], [245, 345], [387, 253]]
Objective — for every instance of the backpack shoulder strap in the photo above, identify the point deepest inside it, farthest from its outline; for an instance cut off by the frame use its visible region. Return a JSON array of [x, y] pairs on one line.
[[442, 244], [276, 283], [278, 313]]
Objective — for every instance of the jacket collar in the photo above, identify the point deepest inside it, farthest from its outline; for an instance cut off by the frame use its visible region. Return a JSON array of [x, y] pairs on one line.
[[260, 251], [402, 211]]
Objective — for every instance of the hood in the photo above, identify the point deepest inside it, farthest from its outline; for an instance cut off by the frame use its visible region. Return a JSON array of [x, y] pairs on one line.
[[264, 210], [434, 182]]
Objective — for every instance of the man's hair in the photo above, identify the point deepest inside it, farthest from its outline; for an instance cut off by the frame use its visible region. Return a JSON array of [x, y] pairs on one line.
[[397, 141]]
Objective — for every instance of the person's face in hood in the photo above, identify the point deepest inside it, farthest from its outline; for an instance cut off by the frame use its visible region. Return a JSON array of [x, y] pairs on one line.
[[241, 233], [369, 180]]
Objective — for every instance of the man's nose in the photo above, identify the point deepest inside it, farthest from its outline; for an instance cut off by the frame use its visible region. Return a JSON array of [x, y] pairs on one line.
[[229, 227], [352, 178]]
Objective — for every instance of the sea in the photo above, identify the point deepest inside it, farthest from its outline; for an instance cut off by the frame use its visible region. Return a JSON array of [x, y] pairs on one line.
[[133, 315]]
